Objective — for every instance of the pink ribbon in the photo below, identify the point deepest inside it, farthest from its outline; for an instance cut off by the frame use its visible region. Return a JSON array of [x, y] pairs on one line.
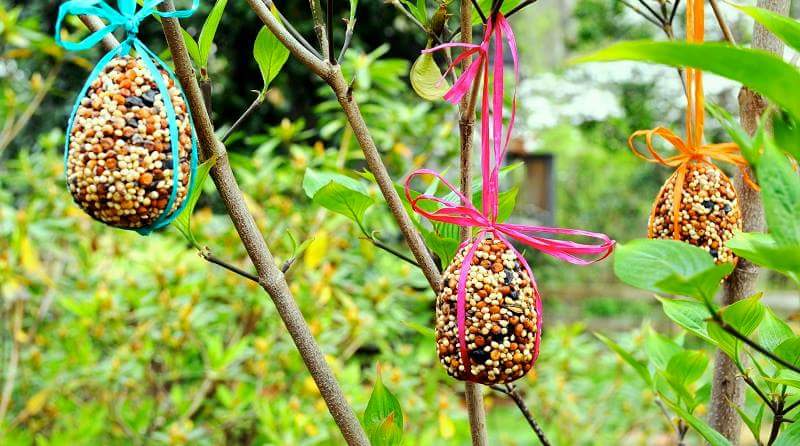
[[493, 150]]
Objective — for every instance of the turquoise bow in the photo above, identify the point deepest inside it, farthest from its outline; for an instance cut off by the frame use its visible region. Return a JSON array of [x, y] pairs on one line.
[[128, 18], [124, 17]]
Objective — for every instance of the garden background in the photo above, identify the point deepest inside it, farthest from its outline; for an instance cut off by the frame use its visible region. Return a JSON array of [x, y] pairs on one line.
[[121, 339]]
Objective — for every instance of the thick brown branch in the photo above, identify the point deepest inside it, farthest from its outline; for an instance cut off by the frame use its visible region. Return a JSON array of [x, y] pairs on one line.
[[270, 276]]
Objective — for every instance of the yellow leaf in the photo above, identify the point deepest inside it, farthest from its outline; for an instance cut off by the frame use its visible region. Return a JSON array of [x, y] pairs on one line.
[[28, 257], [35, 404], [317, 250], [446, 426], [426, 78]]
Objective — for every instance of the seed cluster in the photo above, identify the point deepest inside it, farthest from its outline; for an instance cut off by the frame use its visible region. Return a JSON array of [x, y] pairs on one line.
[[119, 162], [500, 317], [709, 211]]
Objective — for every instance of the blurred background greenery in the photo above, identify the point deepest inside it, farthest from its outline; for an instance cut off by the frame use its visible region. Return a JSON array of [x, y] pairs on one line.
[[118, 339]]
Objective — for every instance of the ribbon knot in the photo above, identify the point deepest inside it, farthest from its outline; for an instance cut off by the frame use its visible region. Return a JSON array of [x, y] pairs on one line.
[[125, 17], [493, 148]]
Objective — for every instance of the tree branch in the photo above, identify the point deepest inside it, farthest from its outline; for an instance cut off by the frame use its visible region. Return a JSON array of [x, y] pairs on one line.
[[270, 276], [319, 27], [206, 254], [520, 7], [723, 25], [512, 392], [742, 282]]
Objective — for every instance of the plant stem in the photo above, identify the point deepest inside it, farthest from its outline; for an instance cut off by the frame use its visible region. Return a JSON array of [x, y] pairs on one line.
[[319, 27], [726, 389], [232, 268], [466, 123], [477, 8], [636, 9], [253, 107], [392, 251], [753, 344], [723, 25], [777, 420], [760, 393], [348, 37], [512, 392], [329, 28], [270, 277], [296, 34], [7, 136], [520, 7]]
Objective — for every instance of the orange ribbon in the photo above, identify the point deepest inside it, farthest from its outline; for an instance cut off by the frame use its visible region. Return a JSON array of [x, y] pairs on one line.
[[692, 149]]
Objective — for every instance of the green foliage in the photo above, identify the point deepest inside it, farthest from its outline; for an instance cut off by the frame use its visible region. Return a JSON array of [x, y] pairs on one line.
[[383, 417], [208, 32], [339, 194], [270, 54], [183, 222]]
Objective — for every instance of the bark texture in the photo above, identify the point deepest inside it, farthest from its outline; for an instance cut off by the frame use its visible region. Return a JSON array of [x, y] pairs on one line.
[[727, 387]]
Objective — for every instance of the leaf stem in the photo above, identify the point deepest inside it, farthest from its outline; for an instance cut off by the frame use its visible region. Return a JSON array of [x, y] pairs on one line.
[[250, 109], [520, 7], [293, 31], [754, 345], [329, 28], [206, 254], [723, 25], [391, 250], [348, 37]]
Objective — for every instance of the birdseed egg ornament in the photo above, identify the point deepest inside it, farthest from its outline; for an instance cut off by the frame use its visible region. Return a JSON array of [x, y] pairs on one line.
[[704, 211], [501, 316], [698, 203], [488, 310], [130, 152]]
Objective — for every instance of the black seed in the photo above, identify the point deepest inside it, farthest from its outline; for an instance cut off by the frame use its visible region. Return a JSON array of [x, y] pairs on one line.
[[132, 122], [149, 97], [514, 294], [727, 208], [134, 101], [708, 204], [509, 276], [498, 337], [714, 253], [479, 355]]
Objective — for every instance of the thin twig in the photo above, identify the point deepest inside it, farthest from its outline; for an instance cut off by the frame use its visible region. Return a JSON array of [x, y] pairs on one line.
[[253, 107], [723, 25], [512, 392], [206, 254], [636, 9], [678, 433], [791, 407], [348, 37], [479, 10], [392, 251], [754, 345], [319, 27], [652, 11], [771, 404], [410, 16], [674, 11], [293, 31], [777, 420], [13, 360], [520, 7], [329, 28]]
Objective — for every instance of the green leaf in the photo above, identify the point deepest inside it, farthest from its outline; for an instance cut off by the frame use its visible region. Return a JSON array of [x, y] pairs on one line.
[[687, 366], [314, 180], [773, 331], [724, 341], [746, 143], [703, 285], [639, 366], [789, 437], [789, 351], [754, 424], [785, 28], [660, 349], [383, 417], [270, 54], [786, 132], [444, 247], [780, 192], [785, 377], [209, 31], [762, 249], [688, 314], [745, 315], [668, 266], [419, 11], [191, 46], [486, 7], [759, 70], [183, 222], [345, 201], [701, 427], [426, 78]]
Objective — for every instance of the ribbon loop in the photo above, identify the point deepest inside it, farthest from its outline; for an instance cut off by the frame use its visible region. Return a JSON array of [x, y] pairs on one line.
[[124, 17]]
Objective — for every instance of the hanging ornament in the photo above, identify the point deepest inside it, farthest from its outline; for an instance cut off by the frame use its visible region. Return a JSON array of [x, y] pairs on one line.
[[489, 311], [698, 203], [131, 151]]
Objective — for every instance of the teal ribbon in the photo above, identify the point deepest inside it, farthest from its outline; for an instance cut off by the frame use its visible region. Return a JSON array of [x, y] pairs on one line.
[[128, 18]]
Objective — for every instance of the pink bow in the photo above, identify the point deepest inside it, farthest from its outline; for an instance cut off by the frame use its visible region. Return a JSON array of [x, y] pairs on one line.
[[493, 150]]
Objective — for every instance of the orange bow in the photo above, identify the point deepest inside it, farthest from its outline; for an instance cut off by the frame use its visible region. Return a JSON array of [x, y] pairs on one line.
[[693, 149]]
